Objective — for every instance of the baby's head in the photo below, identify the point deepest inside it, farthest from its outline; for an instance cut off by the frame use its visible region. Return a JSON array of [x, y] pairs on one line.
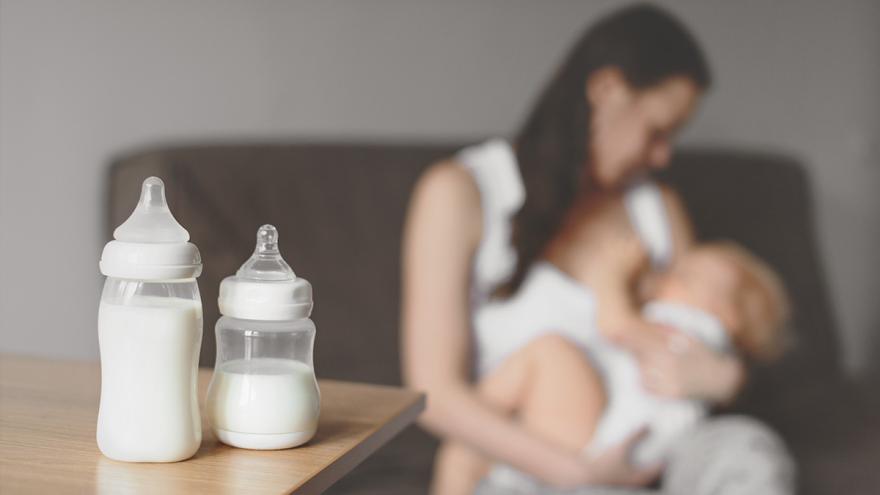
[[739, 289]]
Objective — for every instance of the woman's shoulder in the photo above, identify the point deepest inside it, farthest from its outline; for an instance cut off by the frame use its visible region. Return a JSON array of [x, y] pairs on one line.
[[483, 175], [659, 218], [678, 218], [447, 198], [449, 180], [658, 197], [495, 171], [471, 193]]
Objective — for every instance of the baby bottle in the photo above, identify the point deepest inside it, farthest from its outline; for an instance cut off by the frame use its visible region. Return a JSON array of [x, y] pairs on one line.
[[150, 333], [264, 394]]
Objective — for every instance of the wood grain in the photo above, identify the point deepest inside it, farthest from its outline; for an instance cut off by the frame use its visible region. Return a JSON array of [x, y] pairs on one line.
[[48, 413]]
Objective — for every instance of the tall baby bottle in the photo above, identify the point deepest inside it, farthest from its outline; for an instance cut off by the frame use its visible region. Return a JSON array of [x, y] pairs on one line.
[[150, 333], [263, 394]]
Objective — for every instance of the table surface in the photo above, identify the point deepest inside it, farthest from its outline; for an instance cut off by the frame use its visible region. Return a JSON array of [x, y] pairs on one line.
[[48, 413]]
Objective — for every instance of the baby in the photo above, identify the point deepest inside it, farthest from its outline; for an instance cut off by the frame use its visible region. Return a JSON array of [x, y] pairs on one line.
[[716, 293]]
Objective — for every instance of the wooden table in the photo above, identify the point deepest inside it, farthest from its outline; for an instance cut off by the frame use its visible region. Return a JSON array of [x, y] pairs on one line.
[[48, 413]]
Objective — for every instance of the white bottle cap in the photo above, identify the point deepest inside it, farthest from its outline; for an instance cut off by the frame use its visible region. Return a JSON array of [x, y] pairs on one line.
[[265, 287], [151, 245]]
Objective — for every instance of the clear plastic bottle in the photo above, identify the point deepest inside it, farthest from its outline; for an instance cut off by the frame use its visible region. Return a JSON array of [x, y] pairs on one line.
[[150, 333], [263, 394]]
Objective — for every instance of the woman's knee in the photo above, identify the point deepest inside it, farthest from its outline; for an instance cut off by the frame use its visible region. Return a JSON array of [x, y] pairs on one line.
[[743, 434], [733, 448]]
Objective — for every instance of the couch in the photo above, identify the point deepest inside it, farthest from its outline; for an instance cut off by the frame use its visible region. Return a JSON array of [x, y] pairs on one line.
[[339, 208]]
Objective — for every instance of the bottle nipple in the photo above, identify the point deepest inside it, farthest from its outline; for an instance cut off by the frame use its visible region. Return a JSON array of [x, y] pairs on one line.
[[266, 264], [151, 221]]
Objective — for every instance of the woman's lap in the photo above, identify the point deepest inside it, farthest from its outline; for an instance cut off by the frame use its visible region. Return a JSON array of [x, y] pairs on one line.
[[727, 455], [732, 455]]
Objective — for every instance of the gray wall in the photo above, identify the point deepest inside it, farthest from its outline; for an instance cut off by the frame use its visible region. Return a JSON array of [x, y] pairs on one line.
[[83, 81]]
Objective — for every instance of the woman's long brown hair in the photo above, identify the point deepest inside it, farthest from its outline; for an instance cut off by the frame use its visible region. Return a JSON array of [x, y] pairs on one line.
[[648, 45]]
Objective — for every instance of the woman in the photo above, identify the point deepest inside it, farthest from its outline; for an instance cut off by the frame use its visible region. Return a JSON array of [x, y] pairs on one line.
[[479, 221]]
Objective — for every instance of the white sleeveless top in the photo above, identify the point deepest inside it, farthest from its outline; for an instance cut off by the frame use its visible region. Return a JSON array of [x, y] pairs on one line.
[[494, 169]]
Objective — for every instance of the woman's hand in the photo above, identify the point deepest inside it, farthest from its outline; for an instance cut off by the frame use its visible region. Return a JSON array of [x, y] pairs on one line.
[[612, 467], [675, 365]]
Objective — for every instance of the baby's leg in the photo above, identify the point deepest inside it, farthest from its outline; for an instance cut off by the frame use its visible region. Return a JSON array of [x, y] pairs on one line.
[[564, 396], [552, 388]]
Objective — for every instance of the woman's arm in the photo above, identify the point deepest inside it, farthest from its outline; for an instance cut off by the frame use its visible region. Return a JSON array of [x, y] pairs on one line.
[[442, 232]]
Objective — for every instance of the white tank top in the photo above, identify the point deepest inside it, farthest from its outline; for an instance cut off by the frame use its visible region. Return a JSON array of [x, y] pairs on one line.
[[493, 167]]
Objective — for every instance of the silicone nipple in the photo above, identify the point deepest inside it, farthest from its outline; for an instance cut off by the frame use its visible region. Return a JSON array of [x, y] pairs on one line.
[[266, 263], [151, 221]]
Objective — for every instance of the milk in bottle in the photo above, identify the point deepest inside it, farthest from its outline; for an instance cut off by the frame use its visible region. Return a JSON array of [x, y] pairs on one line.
[[263, 394], [150, 333]]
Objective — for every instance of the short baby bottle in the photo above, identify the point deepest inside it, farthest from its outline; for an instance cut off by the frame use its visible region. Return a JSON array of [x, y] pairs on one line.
[[150, 333], [264, 394]]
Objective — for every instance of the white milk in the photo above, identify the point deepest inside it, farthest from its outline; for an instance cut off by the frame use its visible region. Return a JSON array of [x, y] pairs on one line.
[[264, 403], [149, 366]]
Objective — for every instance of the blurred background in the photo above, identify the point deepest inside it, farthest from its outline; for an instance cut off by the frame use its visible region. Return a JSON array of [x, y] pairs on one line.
[[85, 84]]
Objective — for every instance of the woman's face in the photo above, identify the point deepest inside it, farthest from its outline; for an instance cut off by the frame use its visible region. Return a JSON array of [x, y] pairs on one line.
[[632, 129]]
